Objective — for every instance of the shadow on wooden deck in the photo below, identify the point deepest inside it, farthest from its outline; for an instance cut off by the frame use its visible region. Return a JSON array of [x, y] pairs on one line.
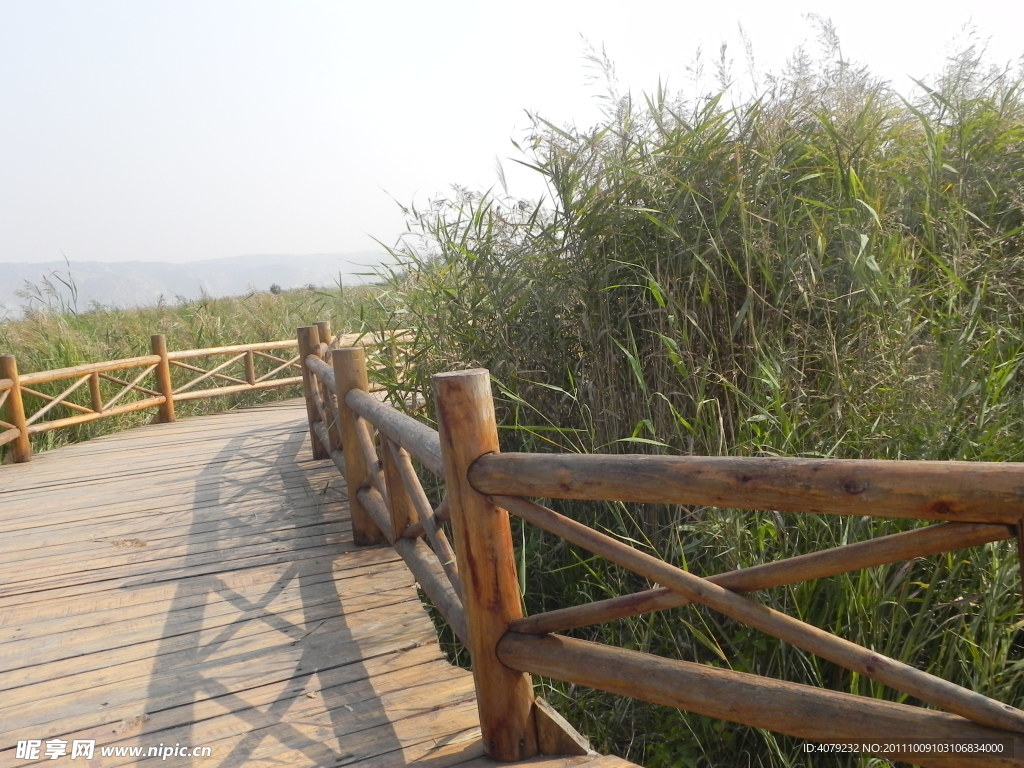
[[195, 585], [204, 592]]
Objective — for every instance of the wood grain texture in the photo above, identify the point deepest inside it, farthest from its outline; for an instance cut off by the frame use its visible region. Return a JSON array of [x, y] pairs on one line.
[[933, 539], [947, 491], [41, 377], [197, 583], [349, 366], [483, 546], [417, 438], [798, 710], [14, 409], [158, 346], [928, 688]]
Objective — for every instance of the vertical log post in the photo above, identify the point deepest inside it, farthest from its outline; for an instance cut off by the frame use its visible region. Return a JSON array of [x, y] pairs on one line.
[[333, 428], [350, 373], [483, 546], [21, 448], [158, 344], [309, 344], [94, 392], [324, 329], [403, 513], [250, 367]]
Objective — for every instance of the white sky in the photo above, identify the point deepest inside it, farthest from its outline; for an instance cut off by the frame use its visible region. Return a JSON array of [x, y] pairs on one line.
[[178, 130]]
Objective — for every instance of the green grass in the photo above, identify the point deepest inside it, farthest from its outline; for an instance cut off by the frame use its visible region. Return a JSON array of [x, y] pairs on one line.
[[828, 269], [51, 336]]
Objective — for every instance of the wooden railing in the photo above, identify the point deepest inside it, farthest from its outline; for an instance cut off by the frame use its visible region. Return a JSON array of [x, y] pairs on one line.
[[472, 579], [158, 381]]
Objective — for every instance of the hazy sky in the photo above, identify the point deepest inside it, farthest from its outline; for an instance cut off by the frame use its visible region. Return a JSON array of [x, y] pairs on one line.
[[179, 130]]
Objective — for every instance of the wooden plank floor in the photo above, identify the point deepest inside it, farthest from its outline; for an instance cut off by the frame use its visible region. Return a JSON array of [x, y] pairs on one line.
[[196, 584]]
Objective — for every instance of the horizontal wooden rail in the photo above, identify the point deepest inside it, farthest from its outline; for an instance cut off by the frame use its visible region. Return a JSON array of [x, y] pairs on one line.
[[202, 394], [58, 374], [85, 418], [417, 438], [798, 710], [975, 492], [323, 370], [261, 346]]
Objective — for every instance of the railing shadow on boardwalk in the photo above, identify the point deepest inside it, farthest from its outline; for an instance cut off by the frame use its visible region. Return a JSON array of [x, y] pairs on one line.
[[311, 669]]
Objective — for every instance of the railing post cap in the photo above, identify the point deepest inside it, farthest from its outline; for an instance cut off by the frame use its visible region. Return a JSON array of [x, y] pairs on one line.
[[470, 373], [345, 351]]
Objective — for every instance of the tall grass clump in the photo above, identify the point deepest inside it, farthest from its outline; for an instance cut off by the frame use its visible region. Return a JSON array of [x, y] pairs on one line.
[[830, 268], [54, 333]]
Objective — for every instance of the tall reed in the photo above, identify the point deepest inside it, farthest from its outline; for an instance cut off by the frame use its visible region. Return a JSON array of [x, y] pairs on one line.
[[827, 269]]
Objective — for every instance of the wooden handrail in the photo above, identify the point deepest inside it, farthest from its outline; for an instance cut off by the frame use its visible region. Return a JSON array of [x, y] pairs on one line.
[[151, 388], [978, 492], [797, 710], [417, 438], [373, 519], [45, 377], [975, 502], [388, 503], [260, 346]]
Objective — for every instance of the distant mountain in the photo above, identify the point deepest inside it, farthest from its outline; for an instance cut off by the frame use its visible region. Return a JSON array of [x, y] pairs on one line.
[[127, 284]]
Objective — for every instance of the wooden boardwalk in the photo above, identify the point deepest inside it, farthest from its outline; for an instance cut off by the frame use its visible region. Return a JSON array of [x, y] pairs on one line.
[[195, 585]]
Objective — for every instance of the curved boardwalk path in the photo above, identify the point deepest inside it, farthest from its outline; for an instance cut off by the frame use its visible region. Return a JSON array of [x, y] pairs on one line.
[[196, 584]]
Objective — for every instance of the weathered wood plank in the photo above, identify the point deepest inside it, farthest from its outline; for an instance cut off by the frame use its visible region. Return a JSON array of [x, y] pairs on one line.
[[197, 583], [28, 651]]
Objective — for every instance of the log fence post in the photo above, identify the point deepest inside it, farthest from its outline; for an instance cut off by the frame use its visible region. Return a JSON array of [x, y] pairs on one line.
[[95, 395], [158, 344], [324, 330], [400, 506], [309, 344], [483, 547], [250, 367], [21, 447], [350, 373], [330, 398]]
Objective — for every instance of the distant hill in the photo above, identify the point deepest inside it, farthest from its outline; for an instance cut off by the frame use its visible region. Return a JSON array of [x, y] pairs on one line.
[[140, 283]]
